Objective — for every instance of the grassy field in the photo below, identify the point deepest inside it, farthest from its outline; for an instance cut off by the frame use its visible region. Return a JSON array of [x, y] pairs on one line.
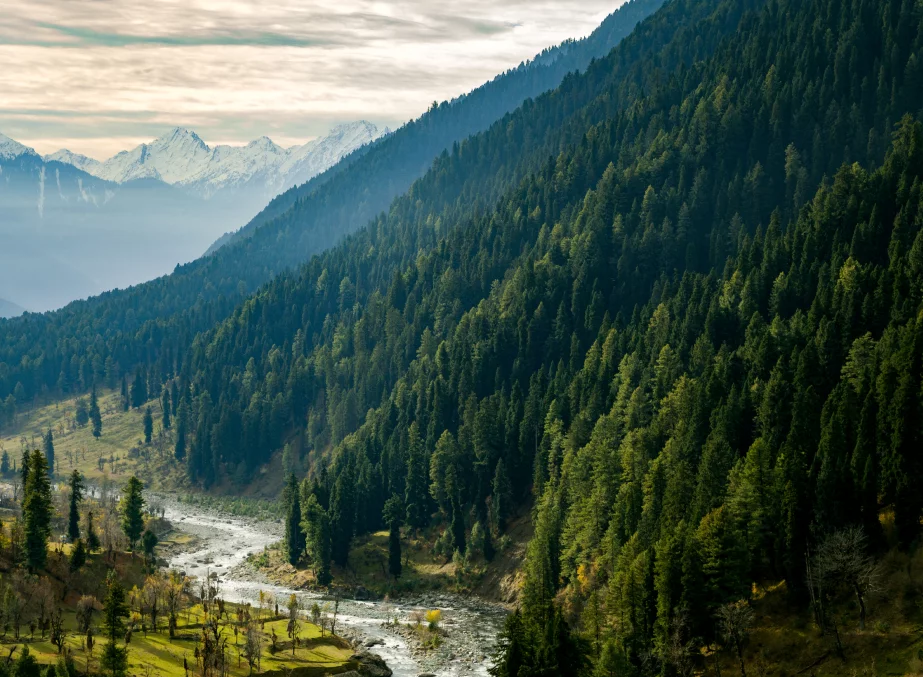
[[117, 454], [155, 653]]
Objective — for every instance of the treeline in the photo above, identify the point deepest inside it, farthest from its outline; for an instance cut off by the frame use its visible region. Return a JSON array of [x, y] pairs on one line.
[[156, 322], [280, 359]]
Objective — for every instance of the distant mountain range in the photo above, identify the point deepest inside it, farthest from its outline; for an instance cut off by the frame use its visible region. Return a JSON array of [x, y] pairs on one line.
[[181, 158], [8, 309], [73, 226]]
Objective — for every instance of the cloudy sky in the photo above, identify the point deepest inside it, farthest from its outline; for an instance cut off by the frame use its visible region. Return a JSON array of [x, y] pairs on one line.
[[99, 76]]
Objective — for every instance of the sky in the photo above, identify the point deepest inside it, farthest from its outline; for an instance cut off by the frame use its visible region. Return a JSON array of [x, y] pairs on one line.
[[100, 76]]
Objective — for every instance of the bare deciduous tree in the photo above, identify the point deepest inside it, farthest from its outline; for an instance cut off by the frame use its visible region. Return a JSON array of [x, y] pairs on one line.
[[735, 620], [842, 562], [253, 646]]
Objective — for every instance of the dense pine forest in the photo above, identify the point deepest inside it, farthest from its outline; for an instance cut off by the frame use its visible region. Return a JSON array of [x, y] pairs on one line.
[[111, 333], [672, 307]]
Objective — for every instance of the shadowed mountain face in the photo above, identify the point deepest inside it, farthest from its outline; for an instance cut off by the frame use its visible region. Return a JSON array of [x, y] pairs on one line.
[[68, 234], [301, 222], [10, 309], [343, 199]]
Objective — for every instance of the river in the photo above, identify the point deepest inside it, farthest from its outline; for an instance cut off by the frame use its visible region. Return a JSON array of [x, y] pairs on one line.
[[223, 543]]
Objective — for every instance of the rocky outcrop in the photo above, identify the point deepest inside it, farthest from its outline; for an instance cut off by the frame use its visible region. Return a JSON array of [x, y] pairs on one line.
[[370, 665]]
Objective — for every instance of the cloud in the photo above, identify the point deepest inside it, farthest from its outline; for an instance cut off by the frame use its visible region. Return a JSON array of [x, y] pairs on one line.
[[100, 73]]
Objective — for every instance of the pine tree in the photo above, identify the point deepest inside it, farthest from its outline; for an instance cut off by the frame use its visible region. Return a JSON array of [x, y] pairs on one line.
[[294, 536], [415, 496], [115, 609], [124, 399], [393, 515], [95, 417], [131, 506], [92, 538], [315, 524], [24, 464], [48, 441], [458, 527], [148, 425], [5, 463], [149, 541], [342, 516], [37, 510], [138, 389], [165, 407], [78, 556], [724, 558], [501, 497], [182, 423], [73, 518]]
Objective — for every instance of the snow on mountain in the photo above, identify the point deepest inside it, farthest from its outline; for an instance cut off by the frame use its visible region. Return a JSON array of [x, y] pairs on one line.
[[234, 165], [10, 149], [180, 157], [174, 156], [81, 162], [316, 156]]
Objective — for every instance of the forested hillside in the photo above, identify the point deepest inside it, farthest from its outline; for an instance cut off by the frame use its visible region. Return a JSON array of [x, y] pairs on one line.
[[675, 305], [123, 328], [697, 353], [358, 193]]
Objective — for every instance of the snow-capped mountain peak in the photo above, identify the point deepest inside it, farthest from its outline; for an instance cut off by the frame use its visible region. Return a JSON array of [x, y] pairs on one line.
[[181, 157], [10, 149], [264, 143], [82, 162]]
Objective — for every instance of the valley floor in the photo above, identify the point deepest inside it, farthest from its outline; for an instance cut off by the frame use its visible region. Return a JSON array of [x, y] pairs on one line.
[[784, 641]]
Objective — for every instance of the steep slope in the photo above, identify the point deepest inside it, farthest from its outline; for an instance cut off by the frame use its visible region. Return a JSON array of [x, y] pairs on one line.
[[81, 162], [700, 357], [11, 149], [526, 287], [198, 295], [176, 155], [355, 196], [10, 309]]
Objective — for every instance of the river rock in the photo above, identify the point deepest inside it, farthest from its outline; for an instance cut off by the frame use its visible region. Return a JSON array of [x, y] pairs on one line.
[[371, 665]]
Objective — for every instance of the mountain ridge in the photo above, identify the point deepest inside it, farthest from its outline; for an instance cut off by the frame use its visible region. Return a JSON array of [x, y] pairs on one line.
[[10, 309], [181, 157], [89, 234]]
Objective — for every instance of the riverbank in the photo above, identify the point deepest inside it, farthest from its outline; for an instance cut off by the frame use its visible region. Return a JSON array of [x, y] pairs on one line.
[[221, 544]]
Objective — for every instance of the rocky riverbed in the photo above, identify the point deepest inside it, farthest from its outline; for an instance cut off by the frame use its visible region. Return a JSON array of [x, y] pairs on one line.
[[222, 544]]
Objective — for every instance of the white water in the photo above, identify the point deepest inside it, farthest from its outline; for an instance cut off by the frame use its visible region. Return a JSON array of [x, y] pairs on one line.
[[224, 543]]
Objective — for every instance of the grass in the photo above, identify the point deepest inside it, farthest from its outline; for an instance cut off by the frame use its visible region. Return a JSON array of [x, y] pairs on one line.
[[422, 568], [368, 562], [117, 454], [121, 452], [155, 653]]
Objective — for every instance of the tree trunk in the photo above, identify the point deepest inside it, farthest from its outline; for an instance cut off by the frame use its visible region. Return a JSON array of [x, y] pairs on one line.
[[861, 601], [740, 657]]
